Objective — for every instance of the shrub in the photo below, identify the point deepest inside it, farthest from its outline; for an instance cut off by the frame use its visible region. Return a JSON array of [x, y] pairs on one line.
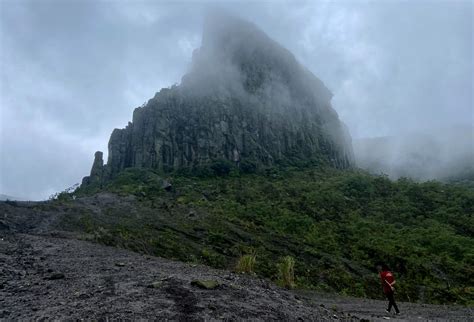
[[248, 166], [246, 263], [212, 258], [201, 171], [286, 272], [11, 202], [221, 167]]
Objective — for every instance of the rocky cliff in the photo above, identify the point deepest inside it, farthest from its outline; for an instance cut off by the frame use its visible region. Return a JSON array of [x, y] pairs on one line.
[[245, 98]]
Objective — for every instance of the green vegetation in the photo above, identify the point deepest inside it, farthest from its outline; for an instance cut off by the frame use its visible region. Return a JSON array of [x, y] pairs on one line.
[[246, 264], [337, 225], [286, 270]]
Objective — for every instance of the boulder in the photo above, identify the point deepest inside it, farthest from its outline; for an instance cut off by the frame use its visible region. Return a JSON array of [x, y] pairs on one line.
[[155, 284], [206, 284], [56, 276]]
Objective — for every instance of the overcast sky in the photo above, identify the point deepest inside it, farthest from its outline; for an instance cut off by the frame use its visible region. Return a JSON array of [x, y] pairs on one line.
[[72, 71]]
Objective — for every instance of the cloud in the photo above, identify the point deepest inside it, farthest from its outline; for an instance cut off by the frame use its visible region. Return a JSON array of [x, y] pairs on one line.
[[71, 71]]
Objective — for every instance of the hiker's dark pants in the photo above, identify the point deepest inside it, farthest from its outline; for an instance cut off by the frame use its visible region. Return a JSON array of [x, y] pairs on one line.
[[391, 302]]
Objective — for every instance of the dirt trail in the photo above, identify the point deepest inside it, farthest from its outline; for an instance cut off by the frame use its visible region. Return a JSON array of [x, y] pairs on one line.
[[52, 275]]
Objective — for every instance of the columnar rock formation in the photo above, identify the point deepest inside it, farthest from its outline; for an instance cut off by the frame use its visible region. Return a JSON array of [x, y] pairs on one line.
[[244, 98]]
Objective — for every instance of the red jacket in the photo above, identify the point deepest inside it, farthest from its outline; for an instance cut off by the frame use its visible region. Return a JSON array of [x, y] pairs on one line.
[[387, 276]]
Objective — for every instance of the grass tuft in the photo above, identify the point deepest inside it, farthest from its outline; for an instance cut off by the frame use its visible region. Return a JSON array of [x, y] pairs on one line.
[[246, 263], [286, 271]]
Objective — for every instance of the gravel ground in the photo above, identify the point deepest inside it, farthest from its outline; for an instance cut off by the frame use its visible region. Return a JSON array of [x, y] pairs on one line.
[[45, 277], [48, 277], [47, 274]]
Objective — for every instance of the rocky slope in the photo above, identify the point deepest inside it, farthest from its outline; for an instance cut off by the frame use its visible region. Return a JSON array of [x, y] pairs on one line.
[[49, 274], [245, 99]]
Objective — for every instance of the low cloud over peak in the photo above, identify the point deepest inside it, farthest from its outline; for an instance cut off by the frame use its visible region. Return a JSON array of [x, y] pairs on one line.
[[70, 72]]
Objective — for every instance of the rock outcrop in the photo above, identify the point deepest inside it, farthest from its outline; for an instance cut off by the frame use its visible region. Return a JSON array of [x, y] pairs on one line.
[[97, 171], [245, 98]]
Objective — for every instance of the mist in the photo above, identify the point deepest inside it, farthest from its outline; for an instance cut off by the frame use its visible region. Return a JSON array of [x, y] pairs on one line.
[[245, 98], [237, 59], [70, 72], [446, 155]]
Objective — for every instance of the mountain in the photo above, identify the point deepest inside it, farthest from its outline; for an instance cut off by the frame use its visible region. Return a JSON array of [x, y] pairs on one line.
[[447, 154], [245, 100], [280, 185], [336, 225]]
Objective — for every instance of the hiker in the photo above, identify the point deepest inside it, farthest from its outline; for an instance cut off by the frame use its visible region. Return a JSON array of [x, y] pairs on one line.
[[388, 281]]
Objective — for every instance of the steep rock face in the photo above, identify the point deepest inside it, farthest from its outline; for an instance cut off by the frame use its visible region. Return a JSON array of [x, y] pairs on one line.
[[97, 171], [244, 98]]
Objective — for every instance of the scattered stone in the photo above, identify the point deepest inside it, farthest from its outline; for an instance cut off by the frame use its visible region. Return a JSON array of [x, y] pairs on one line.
[[56, 276], [84, 296], [120, 264], [206, 284], [4, 225], [166, 185], [4, 313], [155, 284]]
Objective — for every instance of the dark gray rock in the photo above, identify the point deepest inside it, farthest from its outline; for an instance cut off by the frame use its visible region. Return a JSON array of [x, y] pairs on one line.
[[205, 284], [98, 173], [166, 185], [155, 284], [4, 225], [245, 99], [56, 276]]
